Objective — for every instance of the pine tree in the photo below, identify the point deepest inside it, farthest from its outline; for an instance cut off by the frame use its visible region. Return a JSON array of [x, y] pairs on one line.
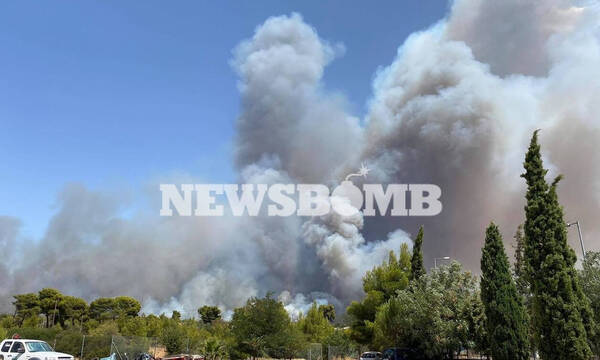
[[506, 317], [416, 263], [557, 305]]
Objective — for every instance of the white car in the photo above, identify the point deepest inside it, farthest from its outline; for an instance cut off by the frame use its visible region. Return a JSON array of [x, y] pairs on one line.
[[370, 355], [23, 349]]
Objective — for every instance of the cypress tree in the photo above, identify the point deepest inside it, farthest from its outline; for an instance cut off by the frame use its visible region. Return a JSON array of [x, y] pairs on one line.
[[557, 306], [506, 318], [522, 275], [520, 266], [416, 262], [560, 232]]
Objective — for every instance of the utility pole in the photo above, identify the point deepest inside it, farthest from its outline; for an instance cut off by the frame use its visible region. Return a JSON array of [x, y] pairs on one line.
[[580, 237], [82, 343]]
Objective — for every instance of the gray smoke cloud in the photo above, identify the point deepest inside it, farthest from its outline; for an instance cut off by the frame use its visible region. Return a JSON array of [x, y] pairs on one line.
[[455, 108]]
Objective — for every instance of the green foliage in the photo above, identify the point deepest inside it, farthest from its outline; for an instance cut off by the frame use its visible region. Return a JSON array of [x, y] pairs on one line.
[[126, 306], [153, 326], [208, 314], [561, 313], [103, 309], [328, 311], [417, 269], [133, 326], [68, 341], [72, 308], [436, 315], [505, 313], [520, 271], [26, 306], [44, 334], [106, 328], [590, 282], [522, 276], [7, 321], [263, 327], [474, 313], [389, 276], [49, 300], [379, 284], [213, 349], [173, 338], [341, 341], [314, 325]]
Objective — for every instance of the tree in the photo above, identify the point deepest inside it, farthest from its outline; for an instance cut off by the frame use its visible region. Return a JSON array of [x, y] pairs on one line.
[[559, 306], [105, 329], [379, 284], [208, 314], [103, 309], [520, 272], [474, 312], [581, 301], [133, 326], [153, 326], [213, 349], [263, 327], [505, 313], [328, 311], [125, 306], [314, 325], [26, 306], [172, 337], [339, 345], [434, 316], [417, 269], [176, 315], [72, 308], [49, 299], [590, 283]]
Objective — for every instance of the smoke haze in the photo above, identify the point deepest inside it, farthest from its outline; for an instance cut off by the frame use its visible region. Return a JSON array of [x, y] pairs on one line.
[[455, 108]]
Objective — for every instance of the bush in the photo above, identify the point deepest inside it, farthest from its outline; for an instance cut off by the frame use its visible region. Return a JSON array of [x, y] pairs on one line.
[[173, 338]]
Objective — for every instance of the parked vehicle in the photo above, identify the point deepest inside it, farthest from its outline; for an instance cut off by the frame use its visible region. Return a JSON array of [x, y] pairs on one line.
[[370, 355], [144, 356], [402, 354], [25, 349]]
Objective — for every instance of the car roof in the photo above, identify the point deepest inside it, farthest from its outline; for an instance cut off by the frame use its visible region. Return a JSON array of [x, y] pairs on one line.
[[24, 340]]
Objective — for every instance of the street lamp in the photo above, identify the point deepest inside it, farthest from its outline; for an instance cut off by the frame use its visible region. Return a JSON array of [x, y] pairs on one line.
[[440, 258], [580, 237]]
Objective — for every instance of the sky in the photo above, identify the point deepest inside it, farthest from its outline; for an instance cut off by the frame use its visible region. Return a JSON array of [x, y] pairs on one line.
[[100, 102], [110, 94]]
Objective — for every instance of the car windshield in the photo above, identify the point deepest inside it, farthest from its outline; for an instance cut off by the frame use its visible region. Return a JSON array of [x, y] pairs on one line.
[[368, 355], [36, 346]]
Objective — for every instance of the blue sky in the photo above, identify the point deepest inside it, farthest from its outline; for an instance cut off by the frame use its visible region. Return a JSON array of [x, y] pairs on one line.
[[112, 93]]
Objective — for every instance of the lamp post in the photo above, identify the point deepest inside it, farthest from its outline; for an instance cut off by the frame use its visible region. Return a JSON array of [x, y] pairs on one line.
[[440, 258], [580, 237]]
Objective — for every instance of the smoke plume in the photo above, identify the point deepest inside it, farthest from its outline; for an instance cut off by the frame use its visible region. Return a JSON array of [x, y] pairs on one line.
[[455, 108]]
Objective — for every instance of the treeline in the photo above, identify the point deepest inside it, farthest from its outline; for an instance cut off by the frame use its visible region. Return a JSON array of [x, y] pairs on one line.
[[262, 327], [57, 308], [542, 305]]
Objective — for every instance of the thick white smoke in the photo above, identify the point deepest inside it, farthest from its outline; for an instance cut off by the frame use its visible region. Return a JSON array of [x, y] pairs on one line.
[[456, 108]]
